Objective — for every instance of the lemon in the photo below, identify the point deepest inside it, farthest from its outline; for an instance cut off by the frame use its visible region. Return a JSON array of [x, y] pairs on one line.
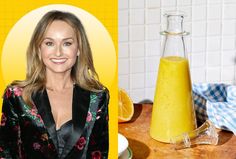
[[125, 106]]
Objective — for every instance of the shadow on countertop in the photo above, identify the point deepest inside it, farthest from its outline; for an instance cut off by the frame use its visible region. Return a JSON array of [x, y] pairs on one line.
[[224, 136], [138, 149]]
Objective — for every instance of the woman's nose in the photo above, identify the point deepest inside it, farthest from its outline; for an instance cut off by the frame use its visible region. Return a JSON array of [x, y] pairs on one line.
[[59, 51]]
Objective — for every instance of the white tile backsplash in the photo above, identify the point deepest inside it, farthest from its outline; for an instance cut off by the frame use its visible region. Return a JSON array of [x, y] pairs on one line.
[[188, 28], [229, 27], [214, 12], [152, 64], [214, 28], [166, 3], [198, 44], [187, 13], [137, 95], [123, 33], [149, 93], [136, 32], [198, 59], [199, 2], [214, 43], [165, 10], [153, 48], [137, 65], [230, 11], [184, 2], [211, 44], [152, 32], [137, 81], [137, 49], [229, 1], [137, 16], [123, 4], [123, 49], [214, 58], [213, 2], [153, 3], [228, 43], [123, 18], [124, 81], [199, 28], [199, 12], [198, 74], [228, 73], [213, 75], [150, 79], [153, 16], [123, 66], [137, 3], [228, 58]]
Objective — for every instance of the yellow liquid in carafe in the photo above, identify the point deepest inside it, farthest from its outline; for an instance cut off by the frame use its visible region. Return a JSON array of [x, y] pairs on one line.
[[173, 111]]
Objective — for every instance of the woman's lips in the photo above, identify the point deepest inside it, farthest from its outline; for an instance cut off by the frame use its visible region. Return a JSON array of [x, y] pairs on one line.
[[58, 61]]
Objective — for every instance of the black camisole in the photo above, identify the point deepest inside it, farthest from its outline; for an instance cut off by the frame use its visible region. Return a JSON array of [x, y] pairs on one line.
[[63, 134]]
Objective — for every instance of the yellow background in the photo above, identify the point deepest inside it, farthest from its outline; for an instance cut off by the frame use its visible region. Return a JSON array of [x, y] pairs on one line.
[[104, 10]]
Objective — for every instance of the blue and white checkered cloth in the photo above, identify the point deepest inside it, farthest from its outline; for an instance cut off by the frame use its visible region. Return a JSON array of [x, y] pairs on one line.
[[216, 102]]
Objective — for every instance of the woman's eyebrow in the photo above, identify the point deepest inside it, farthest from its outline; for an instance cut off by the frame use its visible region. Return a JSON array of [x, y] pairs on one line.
[[69, 38], [49, 38]]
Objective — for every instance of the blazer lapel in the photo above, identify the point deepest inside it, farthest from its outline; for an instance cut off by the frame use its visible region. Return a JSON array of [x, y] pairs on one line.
[[42, 103], [80, 106]]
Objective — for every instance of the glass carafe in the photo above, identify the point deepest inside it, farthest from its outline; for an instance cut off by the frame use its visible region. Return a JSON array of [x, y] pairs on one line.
[[173, 110]]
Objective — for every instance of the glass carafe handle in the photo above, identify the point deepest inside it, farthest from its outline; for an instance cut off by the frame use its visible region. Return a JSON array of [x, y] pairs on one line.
[[205, 134]]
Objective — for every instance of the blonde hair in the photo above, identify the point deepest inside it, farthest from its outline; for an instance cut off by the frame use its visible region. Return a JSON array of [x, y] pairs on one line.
[[83, 72]]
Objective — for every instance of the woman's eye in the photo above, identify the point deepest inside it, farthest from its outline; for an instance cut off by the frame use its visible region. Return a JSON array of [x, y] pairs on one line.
[[49, 43], [67, 43]]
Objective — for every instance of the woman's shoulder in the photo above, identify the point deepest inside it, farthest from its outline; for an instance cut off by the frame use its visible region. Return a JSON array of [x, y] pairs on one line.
[[99, 96], [103, 98], [12, 91], [104, 93]]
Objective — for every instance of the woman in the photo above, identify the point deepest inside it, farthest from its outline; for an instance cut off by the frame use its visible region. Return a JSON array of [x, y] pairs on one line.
[[60, 110]]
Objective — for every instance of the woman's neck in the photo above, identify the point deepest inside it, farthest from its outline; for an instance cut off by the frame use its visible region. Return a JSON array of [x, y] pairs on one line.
[[58, 82]]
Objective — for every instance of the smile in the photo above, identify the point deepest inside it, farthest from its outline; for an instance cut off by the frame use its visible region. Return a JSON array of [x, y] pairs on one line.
[[58, 61]]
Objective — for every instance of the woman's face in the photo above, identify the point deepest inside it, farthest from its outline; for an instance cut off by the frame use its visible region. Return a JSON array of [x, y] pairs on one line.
[[59, 48]]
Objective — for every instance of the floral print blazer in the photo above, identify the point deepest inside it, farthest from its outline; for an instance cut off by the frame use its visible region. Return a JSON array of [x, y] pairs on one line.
[[30, 133]]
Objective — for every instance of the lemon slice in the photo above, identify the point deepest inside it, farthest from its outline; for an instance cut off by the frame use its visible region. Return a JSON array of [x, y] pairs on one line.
[[125, 106]]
